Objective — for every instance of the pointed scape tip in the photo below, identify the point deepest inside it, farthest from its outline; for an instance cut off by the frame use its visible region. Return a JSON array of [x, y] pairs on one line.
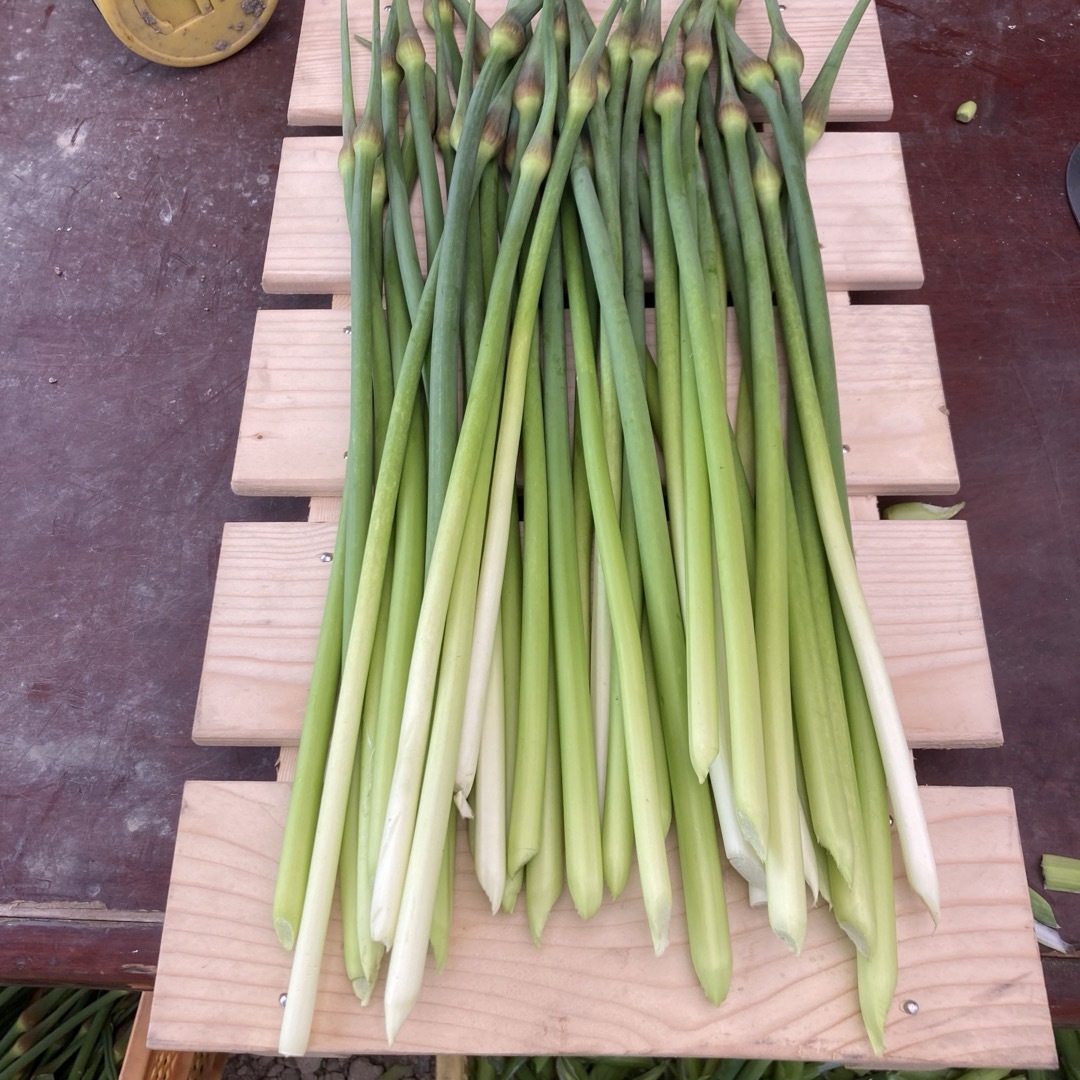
[[658, 927], [396, 1014]]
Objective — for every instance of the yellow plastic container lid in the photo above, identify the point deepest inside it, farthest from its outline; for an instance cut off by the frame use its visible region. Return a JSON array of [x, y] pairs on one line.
[[186, 33]]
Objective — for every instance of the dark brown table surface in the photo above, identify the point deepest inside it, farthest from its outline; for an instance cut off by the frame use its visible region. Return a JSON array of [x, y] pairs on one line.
[[134, 207]]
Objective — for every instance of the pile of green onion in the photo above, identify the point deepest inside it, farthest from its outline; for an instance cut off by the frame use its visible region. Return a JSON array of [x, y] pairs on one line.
[[661, 621], [63, 1033], [627, 1068]]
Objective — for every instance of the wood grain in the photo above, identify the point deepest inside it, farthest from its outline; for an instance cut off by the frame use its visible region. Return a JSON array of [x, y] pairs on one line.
[[861, 92], [857, 185], [920, 585], [861, 508], [595, 987], [918, 577], [264, 622], [294, 425]]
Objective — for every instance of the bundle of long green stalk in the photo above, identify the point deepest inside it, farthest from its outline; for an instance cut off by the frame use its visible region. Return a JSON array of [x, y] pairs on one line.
[[464, 662], [853, 828], [406, 872], [582, 830]]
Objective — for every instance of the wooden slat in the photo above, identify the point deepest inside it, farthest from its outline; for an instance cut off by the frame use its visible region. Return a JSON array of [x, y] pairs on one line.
[[596, 988], [294, 425], [286, 763], [920, 585], [861, 92], [918, 576], [857, 185], [862, 508]]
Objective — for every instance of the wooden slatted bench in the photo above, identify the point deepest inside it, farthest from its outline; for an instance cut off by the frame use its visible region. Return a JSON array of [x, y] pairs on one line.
[[973, 988]]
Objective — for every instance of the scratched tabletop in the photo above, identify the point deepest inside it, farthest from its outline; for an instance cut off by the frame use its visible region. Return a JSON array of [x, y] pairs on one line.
[[134, 208]]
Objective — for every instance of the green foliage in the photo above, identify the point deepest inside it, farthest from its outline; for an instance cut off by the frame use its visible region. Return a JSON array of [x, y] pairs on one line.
[[63, 1034], [644, 1068]]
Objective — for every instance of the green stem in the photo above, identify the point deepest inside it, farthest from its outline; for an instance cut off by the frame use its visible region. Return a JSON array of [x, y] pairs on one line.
[[506, 40], [544, 871], [442, 917], [406, 966], [326, 845], [744, 684], [617, 837], [396, 178], [349, 870], [510, 617], [529, 814], [663, 778], [581, 804], [504, 484], [407, 575], [785, 872], [413, 61], [469, 465], [636, 726], [734, 267], [813, 381], [825, 751], [643, 54], [581, 96], [410, 925], [699, 613], [359, 469], [699, 857], [668, 348], [877, 973], [489, 794], [367, 830], [583, 527], [294, 863], [619, 46]]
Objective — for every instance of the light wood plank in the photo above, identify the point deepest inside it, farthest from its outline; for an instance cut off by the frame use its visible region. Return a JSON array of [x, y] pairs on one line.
[[268, 600], [321, 509], [861, 93], [918, 576], [857, 185], [293, 429], [921, 588], [596, 988], [863, 508], [324, 508], [286, 763]]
